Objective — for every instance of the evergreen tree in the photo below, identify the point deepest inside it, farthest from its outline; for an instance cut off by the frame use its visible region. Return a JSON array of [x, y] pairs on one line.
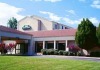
[[12, 23], [98, 34], [86, 35]]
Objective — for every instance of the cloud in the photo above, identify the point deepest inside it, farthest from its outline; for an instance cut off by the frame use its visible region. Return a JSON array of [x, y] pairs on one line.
[[71, 12], [94, 20], [47, 0], [70, 21], [52, 0], [96, 4], [52, 16], [7, 11], [55, 17], [67, 20]]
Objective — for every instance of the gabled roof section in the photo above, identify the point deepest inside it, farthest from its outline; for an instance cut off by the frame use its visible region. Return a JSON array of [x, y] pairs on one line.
[[22, 19], [6, 29], [54, 33]]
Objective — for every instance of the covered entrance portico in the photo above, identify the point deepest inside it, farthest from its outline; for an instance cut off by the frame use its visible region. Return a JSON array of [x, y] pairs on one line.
[[57, 45], [61, 45], [21, 45], [24, 41]]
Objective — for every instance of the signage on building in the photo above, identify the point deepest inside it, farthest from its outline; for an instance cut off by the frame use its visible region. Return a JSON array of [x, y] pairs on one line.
[[26, 27]]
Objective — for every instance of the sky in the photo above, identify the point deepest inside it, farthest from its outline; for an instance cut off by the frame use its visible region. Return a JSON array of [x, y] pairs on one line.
[[68, 12]]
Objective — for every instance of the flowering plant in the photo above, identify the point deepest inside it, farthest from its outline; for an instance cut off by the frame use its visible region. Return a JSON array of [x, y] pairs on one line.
[[1, 46], [74, 48], [6, 47], [10, 47]]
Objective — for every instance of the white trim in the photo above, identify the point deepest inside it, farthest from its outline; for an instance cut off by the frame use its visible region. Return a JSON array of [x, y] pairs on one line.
[[54, 44], [66, 47], [43, 44], [54, 38]]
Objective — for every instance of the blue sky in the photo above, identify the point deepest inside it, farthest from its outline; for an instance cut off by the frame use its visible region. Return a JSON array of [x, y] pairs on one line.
[[69, 12]]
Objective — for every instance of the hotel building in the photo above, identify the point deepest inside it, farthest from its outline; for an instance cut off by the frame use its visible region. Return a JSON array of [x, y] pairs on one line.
[[35, 33]]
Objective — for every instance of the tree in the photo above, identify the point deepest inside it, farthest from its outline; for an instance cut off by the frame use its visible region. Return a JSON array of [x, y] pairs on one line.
[[86, 35], [12, 23], [98, 34]]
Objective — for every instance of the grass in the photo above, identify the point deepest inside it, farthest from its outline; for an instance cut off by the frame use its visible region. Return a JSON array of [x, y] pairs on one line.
[[32, 63]]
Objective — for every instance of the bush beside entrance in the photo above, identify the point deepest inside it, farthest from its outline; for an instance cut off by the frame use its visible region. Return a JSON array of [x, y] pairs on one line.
[[95, 54], [59, 52]]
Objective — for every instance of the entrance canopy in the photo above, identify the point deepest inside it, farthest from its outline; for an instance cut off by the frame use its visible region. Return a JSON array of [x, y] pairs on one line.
[[9, 32], [23, 40]]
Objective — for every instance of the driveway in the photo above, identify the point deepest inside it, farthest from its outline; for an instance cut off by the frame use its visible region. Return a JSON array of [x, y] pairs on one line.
[[97, 59]]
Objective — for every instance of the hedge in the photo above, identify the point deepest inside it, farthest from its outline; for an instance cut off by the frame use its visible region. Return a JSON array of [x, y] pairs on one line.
[[60, 52], [95, 54]]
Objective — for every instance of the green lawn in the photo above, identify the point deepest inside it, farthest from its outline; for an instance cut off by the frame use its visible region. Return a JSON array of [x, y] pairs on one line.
[[31, 63]]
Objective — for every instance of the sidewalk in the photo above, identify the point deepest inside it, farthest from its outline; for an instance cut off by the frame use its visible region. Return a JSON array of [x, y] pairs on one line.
[[70, 57]]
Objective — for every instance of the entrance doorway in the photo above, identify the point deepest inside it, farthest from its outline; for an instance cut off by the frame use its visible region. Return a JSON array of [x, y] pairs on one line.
[[21, 48], [38, 47], [50, 45], [61, 46]]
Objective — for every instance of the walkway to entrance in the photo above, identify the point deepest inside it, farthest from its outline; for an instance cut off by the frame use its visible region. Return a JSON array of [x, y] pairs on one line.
[[70, 57]]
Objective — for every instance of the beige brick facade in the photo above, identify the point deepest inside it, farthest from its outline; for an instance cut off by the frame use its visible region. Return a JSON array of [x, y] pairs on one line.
[[37, 24]]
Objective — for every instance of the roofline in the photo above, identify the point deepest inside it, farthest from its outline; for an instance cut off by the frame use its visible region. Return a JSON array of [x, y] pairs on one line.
[[42, 18], [52, 30], [15, 32], [18, 33], [52, 36], [22, 19]]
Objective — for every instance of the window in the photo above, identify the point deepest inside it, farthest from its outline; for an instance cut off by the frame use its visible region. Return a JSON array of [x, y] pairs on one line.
[[55, 26], [18, 49], [65, 27], [62, 27], [39, 24]]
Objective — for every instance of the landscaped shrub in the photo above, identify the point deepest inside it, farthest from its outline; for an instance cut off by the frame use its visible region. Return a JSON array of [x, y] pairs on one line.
[[55, 52], [4, 48], [71, 54], [65, 53], [50, 51], [60, 52], [95, 54], [44, 51], [79, 54], [47, 51]]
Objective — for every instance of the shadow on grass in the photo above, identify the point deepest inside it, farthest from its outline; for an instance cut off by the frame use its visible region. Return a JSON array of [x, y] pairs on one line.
[[18, 55], [15, 55]]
